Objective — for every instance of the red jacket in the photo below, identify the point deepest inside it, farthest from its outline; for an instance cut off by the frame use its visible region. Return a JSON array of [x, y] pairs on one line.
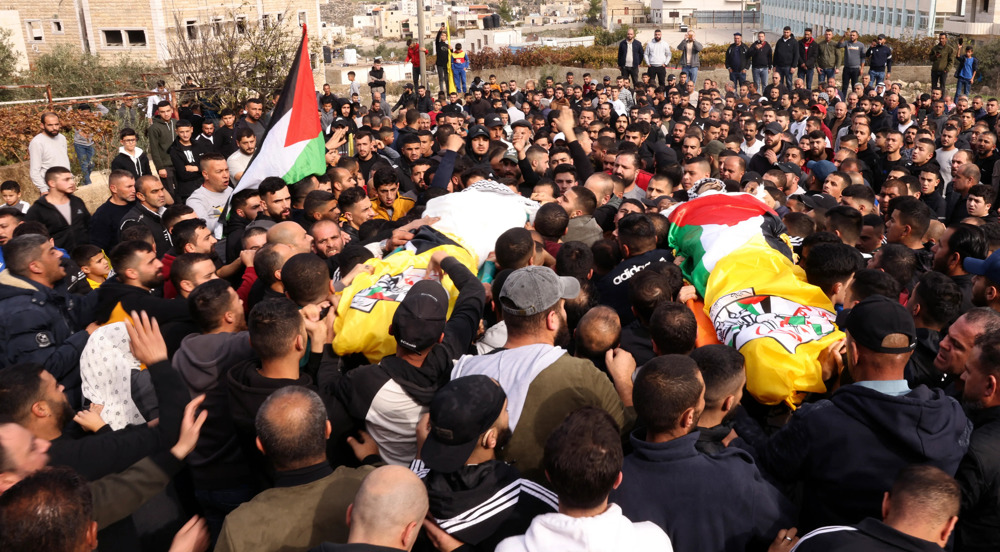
[[413, 54]]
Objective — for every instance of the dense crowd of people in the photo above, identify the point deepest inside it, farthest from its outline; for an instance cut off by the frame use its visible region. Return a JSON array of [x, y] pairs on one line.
[[168, 377]]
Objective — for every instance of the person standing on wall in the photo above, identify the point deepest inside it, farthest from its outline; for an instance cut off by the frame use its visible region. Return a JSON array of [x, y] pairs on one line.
[[657, 57], [630, 57]]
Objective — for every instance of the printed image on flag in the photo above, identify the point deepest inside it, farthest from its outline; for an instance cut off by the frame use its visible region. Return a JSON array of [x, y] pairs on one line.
[[293, 146]]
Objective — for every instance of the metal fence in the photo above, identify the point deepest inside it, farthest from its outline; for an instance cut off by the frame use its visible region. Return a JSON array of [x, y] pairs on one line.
[[732, 17]]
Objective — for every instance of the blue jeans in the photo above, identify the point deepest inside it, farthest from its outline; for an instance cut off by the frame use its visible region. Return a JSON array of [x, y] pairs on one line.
[[738, 78], [786, 76], [807, 76], [827, 74], [692, 73], [877, 76], [964, 87], [760, 78], [459, 79], [85, 156]]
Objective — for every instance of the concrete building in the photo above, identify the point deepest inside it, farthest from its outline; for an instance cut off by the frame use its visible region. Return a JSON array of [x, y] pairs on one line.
[[892, 17], [615, 13], [981, 20], [476, 40], [469, 17], [142, 30]]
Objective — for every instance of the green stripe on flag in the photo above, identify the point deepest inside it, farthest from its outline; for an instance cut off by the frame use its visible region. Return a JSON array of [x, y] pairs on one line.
[[311, 161]]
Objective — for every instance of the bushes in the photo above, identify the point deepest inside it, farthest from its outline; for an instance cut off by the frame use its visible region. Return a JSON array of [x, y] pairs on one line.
[[604, 54], [22, 122]]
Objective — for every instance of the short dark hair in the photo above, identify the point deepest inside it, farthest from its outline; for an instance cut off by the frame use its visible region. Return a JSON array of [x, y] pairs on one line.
[[134, 230], [585, 199], [350, 197], [10, 186], [311, 281], [637, 232], [646, 291], [514, 247], [927, 493], [274, 324], [384, 176], [241, 197], [939, 297], [82, 254], [271, 185], [674, 328], [583, 457], [20, 387], [51, 509], [846, 220], [830, 263], [721, 367], [665, 387], [316, 200], [899, 261], [173, 214], [912, 212], [266, 261], [870, 281], [185, 232], [208, 302], [123, 255], [551, 221], [574, 259], [182, 267], [968, 240]]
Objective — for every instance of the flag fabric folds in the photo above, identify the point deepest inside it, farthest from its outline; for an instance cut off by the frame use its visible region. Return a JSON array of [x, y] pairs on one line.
[[293, 146], [757, 299]]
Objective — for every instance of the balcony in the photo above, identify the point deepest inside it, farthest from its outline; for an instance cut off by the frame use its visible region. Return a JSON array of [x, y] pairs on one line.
[[963, 27]]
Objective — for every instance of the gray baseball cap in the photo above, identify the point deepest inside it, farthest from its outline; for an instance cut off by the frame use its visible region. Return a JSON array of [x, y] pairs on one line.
[[532, 289]]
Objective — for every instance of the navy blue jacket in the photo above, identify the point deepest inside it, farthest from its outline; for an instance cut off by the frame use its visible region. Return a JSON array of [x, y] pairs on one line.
[[636, 53], [715, 502], [879, 57], [848, 450], [44, 325]]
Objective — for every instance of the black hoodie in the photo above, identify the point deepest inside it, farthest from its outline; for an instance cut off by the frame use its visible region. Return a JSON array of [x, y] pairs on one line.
[[848, 450], [132, 298]]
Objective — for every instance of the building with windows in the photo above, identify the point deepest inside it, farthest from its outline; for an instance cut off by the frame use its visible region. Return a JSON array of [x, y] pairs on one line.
[[615, 13], [142, 30], [869, 17], [981, 20]]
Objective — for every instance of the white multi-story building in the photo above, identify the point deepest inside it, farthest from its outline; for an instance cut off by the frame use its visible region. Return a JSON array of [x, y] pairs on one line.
[[980, 20], [894, 18]]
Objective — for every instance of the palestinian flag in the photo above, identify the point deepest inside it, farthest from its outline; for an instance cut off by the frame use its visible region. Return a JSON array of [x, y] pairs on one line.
[[293, 146], [708, 228]]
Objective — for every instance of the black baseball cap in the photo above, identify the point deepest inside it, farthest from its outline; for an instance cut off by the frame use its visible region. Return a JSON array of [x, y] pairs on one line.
[[876, 318], [819, 201], [420, 318], [461, 411], [773, 128], [493, 121], [789, 167], [478, 130]]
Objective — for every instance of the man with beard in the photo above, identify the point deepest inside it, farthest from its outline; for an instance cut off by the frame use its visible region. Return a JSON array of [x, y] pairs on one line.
[[959, 242], [275, 200], [669, 400], [36, 312], [46, 150], [986, 275], [537, 374], [138, 272], [393, 395], [217, 464], [475, 497], [978, 518], [770, 154]]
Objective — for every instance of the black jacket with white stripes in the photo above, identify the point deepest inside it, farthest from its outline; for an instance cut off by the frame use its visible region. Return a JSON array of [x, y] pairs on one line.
[[871, 535], [482, 504]]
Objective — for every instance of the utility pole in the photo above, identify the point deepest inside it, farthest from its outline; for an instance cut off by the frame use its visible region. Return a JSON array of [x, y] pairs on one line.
[[420, 42]]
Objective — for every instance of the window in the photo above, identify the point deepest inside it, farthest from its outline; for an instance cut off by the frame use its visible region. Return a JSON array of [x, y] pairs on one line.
[[191, 27], [241, 24], [113, 38], [136, 37], [57, 26], [302, 18], [34, 31], [217, 26]]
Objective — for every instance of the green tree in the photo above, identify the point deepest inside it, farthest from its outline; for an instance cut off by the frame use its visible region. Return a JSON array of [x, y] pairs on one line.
[[72, 72], [594, 13], [505, 11]]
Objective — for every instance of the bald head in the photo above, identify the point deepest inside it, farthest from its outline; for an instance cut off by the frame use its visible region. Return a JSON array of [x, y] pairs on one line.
[[291, 234], [389, 508], [602, 185], [599, 330], [292, 428]]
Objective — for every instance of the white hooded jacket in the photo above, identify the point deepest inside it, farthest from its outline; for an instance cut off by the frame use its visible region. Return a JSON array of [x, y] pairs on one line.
[[607, 532]]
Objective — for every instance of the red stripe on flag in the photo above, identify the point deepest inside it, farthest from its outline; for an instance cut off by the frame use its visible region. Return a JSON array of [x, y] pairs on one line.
[[719, 209], [303, 121]]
